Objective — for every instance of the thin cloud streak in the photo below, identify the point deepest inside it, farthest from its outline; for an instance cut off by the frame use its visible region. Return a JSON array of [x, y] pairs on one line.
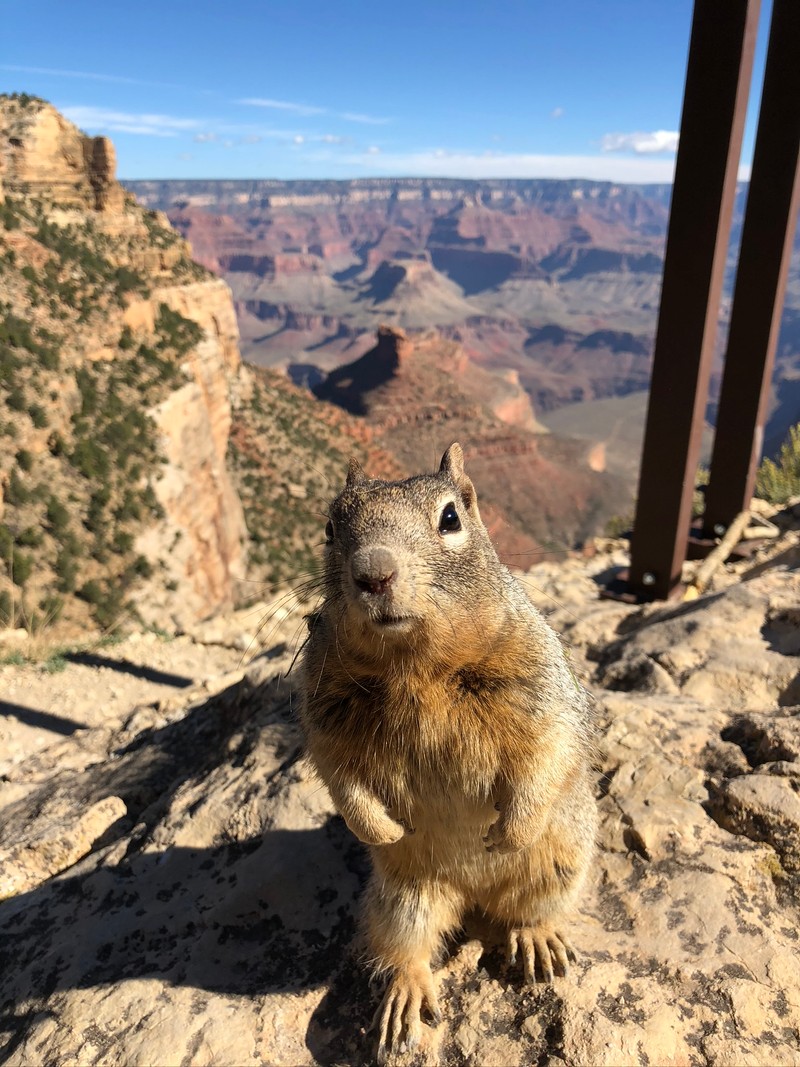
[[357, 116], [311, 109], [153, 125], [119, 79], [283, 105]]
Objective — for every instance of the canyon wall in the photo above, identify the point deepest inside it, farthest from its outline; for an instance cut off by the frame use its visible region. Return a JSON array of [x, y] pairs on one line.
[[111, 325]]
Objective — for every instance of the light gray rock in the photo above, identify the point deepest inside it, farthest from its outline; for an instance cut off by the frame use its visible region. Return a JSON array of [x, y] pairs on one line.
[[763, 807], [216, 921], [57, 846]]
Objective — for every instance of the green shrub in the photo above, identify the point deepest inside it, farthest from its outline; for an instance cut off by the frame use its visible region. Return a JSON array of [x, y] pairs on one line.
[[51, 608], [130, 507], [56, 444], [16, 399], [141, 567], [122, 542], [24, 459], [175, 331], [7, 612], [128, 281], [91, 459], [66, 569], [779, 482], [87, 386], [30, 537], [16, 493], [91, 591], [38, 416], [9, 219], [96, 519], [57, 515], [698, 497], [106, 601], [21, 568]]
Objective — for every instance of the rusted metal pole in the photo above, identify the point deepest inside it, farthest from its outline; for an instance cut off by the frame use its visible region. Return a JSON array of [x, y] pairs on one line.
[[715, 102], [767, 237]]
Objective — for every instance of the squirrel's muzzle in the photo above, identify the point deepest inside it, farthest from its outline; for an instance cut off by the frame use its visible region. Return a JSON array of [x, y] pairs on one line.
[[374, 570]]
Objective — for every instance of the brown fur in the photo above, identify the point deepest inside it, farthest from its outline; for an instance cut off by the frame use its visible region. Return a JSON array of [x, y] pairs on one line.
[[441, 713]]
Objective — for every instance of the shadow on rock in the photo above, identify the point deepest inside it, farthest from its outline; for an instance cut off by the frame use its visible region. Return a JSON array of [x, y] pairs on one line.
[[270, 914], [227, 875]]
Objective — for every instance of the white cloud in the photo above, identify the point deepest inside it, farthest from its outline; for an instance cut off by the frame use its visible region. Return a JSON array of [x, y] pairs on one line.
[[311, 109], [557, 112], [283, 105], [443, 163], [153, 125], [204, 138], [641, 143], [356, 116], [299, 139], [332, 138], [373, 150]]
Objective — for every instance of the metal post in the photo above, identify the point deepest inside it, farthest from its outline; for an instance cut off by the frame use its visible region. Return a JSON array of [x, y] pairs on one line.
[[714, 106], [767, 238]]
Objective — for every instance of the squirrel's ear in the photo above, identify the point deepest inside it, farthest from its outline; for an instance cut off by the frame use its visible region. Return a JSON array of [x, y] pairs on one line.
[[355, 474], [453, 462]]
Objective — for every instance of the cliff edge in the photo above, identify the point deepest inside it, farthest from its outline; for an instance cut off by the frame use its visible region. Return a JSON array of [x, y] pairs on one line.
[[119, 356]]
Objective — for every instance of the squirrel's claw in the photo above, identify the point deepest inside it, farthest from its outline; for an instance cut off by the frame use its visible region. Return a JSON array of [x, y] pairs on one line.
[[400, 1015], [540, 945]]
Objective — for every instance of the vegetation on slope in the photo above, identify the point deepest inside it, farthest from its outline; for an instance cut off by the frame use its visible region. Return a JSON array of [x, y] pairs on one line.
[[80, 455], [779, 481], [288, 454]]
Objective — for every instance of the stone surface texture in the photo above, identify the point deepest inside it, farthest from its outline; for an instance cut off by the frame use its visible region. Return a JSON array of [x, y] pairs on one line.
[[184, 892], [202, 537]]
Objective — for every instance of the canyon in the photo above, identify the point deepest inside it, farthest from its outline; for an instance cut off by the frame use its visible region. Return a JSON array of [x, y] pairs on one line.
[[148, 471], [557, 281]]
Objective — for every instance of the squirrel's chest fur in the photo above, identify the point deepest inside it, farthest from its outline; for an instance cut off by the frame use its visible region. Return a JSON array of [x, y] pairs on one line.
[[409, 736]]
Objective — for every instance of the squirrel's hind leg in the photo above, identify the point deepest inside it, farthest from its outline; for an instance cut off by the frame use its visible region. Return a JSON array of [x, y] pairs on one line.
[[406, 922], [531, 906]]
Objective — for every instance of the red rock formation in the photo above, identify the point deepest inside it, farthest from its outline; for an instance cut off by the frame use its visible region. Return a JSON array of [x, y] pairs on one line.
[[420, 393]]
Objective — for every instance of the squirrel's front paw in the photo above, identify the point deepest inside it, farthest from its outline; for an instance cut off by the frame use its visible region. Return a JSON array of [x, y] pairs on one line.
[[505, 836], [378, 829]]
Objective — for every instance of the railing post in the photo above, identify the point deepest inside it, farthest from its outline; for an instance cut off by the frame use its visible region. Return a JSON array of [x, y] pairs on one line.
[[712, 124], [767, 238]]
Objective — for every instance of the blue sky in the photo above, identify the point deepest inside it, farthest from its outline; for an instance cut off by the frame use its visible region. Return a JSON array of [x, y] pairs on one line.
[[306, 89]]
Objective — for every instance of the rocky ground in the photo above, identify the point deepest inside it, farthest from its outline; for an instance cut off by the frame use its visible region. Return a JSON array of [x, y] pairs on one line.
[[179, 891]]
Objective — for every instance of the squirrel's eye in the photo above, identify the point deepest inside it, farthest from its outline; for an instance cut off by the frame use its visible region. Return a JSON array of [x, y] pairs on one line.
[[329, 531], [449, 522]]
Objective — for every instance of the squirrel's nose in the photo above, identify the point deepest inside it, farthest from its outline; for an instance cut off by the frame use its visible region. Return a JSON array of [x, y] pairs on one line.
[[374, 570]]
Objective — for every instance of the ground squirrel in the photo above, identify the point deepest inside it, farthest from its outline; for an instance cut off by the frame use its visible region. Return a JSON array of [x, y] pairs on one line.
[[441, 713]]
